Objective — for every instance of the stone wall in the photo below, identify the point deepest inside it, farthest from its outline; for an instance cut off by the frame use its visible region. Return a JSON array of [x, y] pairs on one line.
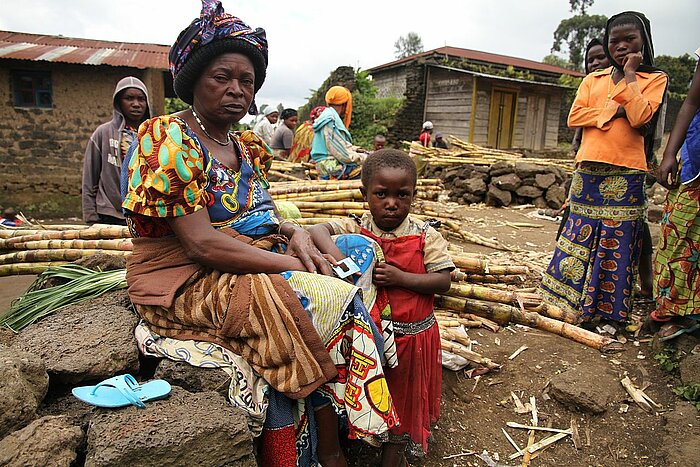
[[409, 118], [505, 184], [341, 76], [41, 150]]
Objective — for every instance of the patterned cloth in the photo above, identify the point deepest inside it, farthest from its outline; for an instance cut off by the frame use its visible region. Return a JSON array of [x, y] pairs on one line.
[[170, 173], [332, 150], [596, 258], [677, 262]]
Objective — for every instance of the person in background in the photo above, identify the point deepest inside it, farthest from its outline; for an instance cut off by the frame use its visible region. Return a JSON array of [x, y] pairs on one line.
[[284, 134], [593, 268], [424, 137], [265, 128], [303, 136], [676, 266], [379, 142], [106, 150], [9, 218], [331, 149], [440, 141], [417, 266]]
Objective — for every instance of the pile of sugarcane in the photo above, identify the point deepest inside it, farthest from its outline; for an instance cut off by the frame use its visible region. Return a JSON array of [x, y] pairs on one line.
[[462, 152], [32, 250]]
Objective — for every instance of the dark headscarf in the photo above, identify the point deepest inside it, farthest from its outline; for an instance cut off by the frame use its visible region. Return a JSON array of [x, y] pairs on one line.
[[654, 131], [212, 34], [644, 26], [595, 41]]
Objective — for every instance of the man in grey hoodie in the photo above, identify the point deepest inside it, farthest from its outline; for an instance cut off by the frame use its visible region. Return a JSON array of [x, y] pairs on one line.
[[106, 150]]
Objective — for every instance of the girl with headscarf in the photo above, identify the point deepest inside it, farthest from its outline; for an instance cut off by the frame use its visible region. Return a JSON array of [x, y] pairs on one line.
[[676, 267], [331, 149], [595, 262], [303, 137], [207, 274]]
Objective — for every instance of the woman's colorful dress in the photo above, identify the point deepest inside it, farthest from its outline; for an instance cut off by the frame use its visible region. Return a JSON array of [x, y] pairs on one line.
[[170, 173]]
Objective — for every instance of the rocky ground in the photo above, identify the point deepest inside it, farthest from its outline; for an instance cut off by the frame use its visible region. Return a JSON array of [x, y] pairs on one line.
[[42, 424]]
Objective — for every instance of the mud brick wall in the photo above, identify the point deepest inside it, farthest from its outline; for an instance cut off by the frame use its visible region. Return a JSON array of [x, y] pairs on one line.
[[41, 150]]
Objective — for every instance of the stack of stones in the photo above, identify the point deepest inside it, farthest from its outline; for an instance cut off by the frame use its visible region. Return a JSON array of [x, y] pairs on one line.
[[505, 184]]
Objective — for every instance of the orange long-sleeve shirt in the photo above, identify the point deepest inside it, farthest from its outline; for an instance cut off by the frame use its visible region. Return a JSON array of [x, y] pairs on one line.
[[615, 141]]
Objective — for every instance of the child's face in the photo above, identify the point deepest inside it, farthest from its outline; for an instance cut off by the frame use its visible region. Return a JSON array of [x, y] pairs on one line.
[[596, 58], [389, 195], [624, 39]]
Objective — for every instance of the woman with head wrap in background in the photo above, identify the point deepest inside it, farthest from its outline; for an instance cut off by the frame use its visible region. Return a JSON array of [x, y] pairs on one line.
[[284, 134], [205, 275], [593, 268], [332, 150], [265, 128]]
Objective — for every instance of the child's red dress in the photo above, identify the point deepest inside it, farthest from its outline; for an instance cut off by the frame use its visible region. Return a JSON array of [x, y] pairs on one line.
[[415, 384]]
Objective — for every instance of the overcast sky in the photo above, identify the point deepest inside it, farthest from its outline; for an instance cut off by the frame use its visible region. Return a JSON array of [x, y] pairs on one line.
[[310, 38]]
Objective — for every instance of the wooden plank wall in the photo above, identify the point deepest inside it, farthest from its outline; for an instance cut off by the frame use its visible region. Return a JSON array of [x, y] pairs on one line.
[[448, 102], [551, 136]]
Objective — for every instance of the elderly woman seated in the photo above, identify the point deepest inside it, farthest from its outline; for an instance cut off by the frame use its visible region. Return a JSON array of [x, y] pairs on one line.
[[207, 275]]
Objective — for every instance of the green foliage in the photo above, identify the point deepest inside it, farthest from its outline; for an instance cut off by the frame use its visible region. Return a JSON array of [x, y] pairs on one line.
[[556, 60], [668, 359], [680, 71], [371, 115], [576, 32], [408, 45], [689, 392], [174, 104], [495, 70], [580, 5]]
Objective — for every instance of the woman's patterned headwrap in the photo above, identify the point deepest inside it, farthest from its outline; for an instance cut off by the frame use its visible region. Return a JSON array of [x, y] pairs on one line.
[[212, 34]]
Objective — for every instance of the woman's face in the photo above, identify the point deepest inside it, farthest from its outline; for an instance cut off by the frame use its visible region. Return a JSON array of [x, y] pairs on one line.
[[596, 58], [226, 87], [624, 39], [291, 122]]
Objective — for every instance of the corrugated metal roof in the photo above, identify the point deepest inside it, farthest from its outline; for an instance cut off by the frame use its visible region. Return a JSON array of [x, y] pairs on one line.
[[479, 56], [23, 46]]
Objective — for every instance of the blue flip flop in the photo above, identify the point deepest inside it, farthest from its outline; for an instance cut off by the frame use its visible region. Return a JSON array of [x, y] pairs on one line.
[[121, 391]]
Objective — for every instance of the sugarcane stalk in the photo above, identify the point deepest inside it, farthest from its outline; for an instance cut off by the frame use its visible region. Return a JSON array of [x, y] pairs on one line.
[[19, 269], [503, 314], [117, 244], [33, 256], [277, 173], [107, 232], [458, 349], [492, 295]]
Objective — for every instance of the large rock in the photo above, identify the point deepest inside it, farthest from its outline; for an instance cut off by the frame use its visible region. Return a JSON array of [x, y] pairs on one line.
[[23, 385], [510, 182], [500, 168], [85, 342], [540, 202], [527, 191], [47, 441], [471, 199], [690, 369], [527, 169], [586, 391], [497, 197], [655, 213], [474, 186], [555, 196], [544, 181], [184, 430], [192, 378]]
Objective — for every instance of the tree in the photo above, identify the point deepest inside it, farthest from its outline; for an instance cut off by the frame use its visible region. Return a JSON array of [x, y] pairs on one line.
[[408, 45], [556, 60], [371, 115], [577, 31], [680, 71]]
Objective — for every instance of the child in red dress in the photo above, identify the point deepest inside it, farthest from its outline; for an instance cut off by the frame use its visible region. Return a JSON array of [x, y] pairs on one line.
[[416, 267]]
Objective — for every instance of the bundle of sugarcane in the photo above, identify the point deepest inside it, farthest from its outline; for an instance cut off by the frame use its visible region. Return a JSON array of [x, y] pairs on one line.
[[34, 248], [340, 190]]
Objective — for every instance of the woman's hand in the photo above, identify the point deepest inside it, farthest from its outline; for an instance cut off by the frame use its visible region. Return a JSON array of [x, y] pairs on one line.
[[631, 62], [301, 245], [667, 174]]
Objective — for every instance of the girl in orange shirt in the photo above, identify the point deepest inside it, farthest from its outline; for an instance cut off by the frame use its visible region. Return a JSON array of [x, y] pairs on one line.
[[597, 256]]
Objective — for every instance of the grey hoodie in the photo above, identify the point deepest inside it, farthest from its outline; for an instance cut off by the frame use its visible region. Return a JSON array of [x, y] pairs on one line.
[[102, 163]]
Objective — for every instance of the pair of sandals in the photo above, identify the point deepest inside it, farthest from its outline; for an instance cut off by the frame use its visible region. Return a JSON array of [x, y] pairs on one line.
[[122, 391]]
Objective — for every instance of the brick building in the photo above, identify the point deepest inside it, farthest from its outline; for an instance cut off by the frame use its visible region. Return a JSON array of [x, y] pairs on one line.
[[54, 92], [488, 99]]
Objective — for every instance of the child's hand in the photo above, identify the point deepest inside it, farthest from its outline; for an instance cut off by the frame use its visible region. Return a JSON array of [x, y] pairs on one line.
[[386, 275]]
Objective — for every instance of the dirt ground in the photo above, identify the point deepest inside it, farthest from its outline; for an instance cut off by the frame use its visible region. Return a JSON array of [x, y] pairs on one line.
[[475, 413]]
